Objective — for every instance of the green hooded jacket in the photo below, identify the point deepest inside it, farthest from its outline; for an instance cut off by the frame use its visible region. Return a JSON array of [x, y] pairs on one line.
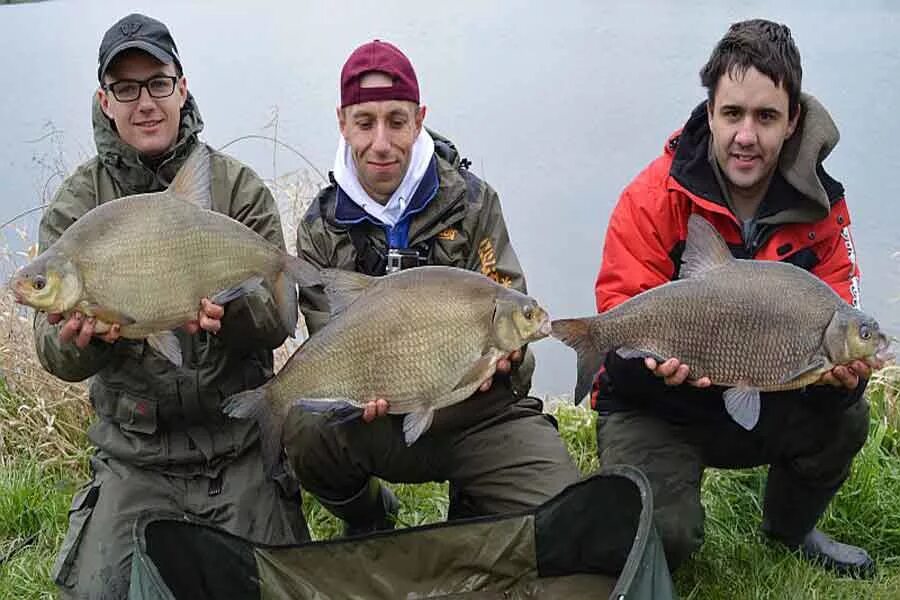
[[462, 224], [149, 412]]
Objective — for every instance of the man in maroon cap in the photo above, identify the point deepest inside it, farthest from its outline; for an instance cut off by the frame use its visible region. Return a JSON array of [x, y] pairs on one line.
[[402, 197]]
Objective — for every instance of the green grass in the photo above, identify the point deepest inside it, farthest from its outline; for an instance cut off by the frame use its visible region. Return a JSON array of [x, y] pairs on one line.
[[735, 561]]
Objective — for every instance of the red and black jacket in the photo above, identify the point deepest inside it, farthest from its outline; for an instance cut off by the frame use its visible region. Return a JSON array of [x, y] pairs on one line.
[[645, 239]]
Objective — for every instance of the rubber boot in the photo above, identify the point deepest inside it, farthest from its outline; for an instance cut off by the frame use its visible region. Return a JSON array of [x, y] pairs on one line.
[[373, 508], [790, 512]]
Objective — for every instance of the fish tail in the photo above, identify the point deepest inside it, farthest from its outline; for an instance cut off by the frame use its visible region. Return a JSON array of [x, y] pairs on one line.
[[576, 333], [285, 293], [301, 271], [256, 404]]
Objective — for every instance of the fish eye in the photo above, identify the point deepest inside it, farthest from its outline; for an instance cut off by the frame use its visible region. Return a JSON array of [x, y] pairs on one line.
[[528, 311], [864, 332], [39, 282]]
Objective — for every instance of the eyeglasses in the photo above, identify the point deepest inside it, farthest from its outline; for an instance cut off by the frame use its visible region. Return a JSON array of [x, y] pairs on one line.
[[129, 90]]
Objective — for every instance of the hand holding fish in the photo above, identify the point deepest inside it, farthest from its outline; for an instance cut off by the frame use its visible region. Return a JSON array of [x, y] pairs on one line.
[[848, 375], [82, 330], [209, 318], [379, 408], [504, 365], [674, 372], [374, 409]]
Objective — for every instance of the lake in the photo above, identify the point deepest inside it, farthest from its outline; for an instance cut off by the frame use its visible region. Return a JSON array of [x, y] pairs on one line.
[[558, 105]]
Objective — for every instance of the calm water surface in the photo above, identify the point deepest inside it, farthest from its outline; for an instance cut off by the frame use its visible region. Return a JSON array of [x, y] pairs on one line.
[[558, 105]]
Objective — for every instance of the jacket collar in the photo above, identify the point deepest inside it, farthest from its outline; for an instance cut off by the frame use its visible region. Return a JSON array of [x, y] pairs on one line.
[[347, 212]]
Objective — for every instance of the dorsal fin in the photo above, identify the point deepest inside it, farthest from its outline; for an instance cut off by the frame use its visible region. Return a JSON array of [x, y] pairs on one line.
[[191, 184], [343, 287], [704, 249]]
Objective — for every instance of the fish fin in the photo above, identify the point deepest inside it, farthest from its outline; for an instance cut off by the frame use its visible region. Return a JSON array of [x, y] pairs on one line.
[[285, 293], [818, 363], [416, 423], [338, 410], [233, 293], [107, 315], [301, 271], [576, 333], [255, 404], [704, 249], [343, 287], [742, 403], [627, 353], [192, 182], [480, 370], [166, 344]]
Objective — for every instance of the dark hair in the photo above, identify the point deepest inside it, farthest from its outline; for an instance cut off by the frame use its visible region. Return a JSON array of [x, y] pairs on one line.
[[764, 45]]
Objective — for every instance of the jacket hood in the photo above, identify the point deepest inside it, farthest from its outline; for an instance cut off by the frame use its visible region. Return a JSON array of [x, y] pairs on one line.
[[125, 164], [801, 191]]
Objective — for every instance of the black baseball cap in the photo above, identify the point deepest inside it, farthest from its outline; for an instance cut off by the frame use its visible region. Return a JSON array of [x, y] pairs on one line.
[[141, 32]]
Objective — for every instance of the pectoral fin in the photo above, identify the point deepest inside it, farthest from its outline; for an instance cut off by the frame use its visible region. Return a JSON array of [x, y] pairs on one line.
[[817, 365], [483, 368], [241, 289], [416, 423], [107, 315], [742, 403], [166, 344], [627, 353], [338, 410]]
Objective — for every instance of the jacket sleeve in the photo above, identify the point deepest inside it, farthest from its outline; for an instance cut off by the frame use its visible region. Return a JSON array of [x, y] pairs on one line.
[[636, 249], [75, 197], [253, 321], [312, 247], [837, 264], [639, 237], [493, 255]]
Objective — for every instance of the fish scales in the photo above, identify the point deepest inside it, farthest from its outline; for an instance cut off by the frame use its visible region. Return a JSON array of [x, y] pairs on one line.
[[707, 321], [403, 331]]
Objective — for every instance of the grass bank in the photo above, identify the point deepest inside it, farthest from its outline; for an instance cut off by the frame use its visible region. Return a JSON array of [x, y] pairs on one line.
[[37, 481]]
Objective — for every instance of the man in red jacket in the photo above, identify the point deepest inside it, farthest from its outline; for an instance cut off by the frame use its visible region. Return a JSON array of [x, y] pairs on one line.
[[749, 161]]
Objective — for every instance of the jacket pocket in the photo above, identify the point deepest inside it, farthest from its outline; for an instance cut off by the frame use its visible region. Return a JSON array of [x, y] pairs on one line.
[[132, 413], [79, 515]]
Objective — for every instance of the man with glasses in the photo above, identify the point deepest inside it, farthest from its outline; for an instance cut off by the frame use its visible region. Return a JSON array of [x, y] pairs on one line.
[[162, 441]]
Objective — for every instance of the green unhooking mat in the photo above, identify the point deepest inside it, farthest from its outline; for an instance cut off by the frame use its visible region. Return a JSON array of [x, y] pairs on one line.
[[594, 540]]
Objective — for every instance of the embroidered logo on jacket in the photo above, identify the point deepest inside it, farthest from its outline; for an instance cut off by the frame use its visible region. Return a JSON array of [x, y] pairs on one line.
[[448, 234], [488, 259]]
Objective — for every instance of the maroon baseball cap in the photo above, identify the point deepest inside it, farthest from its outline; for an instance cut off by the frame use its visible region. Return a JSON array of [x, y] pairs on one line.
[[384, 58]]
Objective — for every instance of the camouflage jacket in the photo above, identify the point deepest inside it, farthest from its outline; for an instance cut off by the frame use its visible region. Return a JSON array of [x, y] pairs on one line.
[[148, 411], [460, 224]]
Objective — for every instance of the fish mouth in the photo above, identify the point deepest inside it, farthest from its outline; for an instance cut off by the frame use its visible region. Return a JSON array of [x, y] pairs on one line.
[[546, 327], [883, 353]]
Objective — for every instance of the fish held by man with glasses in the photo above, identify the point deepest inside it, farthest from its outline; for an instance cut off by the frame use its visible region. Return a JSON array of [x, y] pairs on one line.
[[142, 263]]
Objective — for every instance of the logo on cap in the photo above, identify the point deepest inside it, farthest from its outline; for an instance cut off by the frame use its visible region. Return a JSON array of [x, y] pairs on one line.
[[130, 28]]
